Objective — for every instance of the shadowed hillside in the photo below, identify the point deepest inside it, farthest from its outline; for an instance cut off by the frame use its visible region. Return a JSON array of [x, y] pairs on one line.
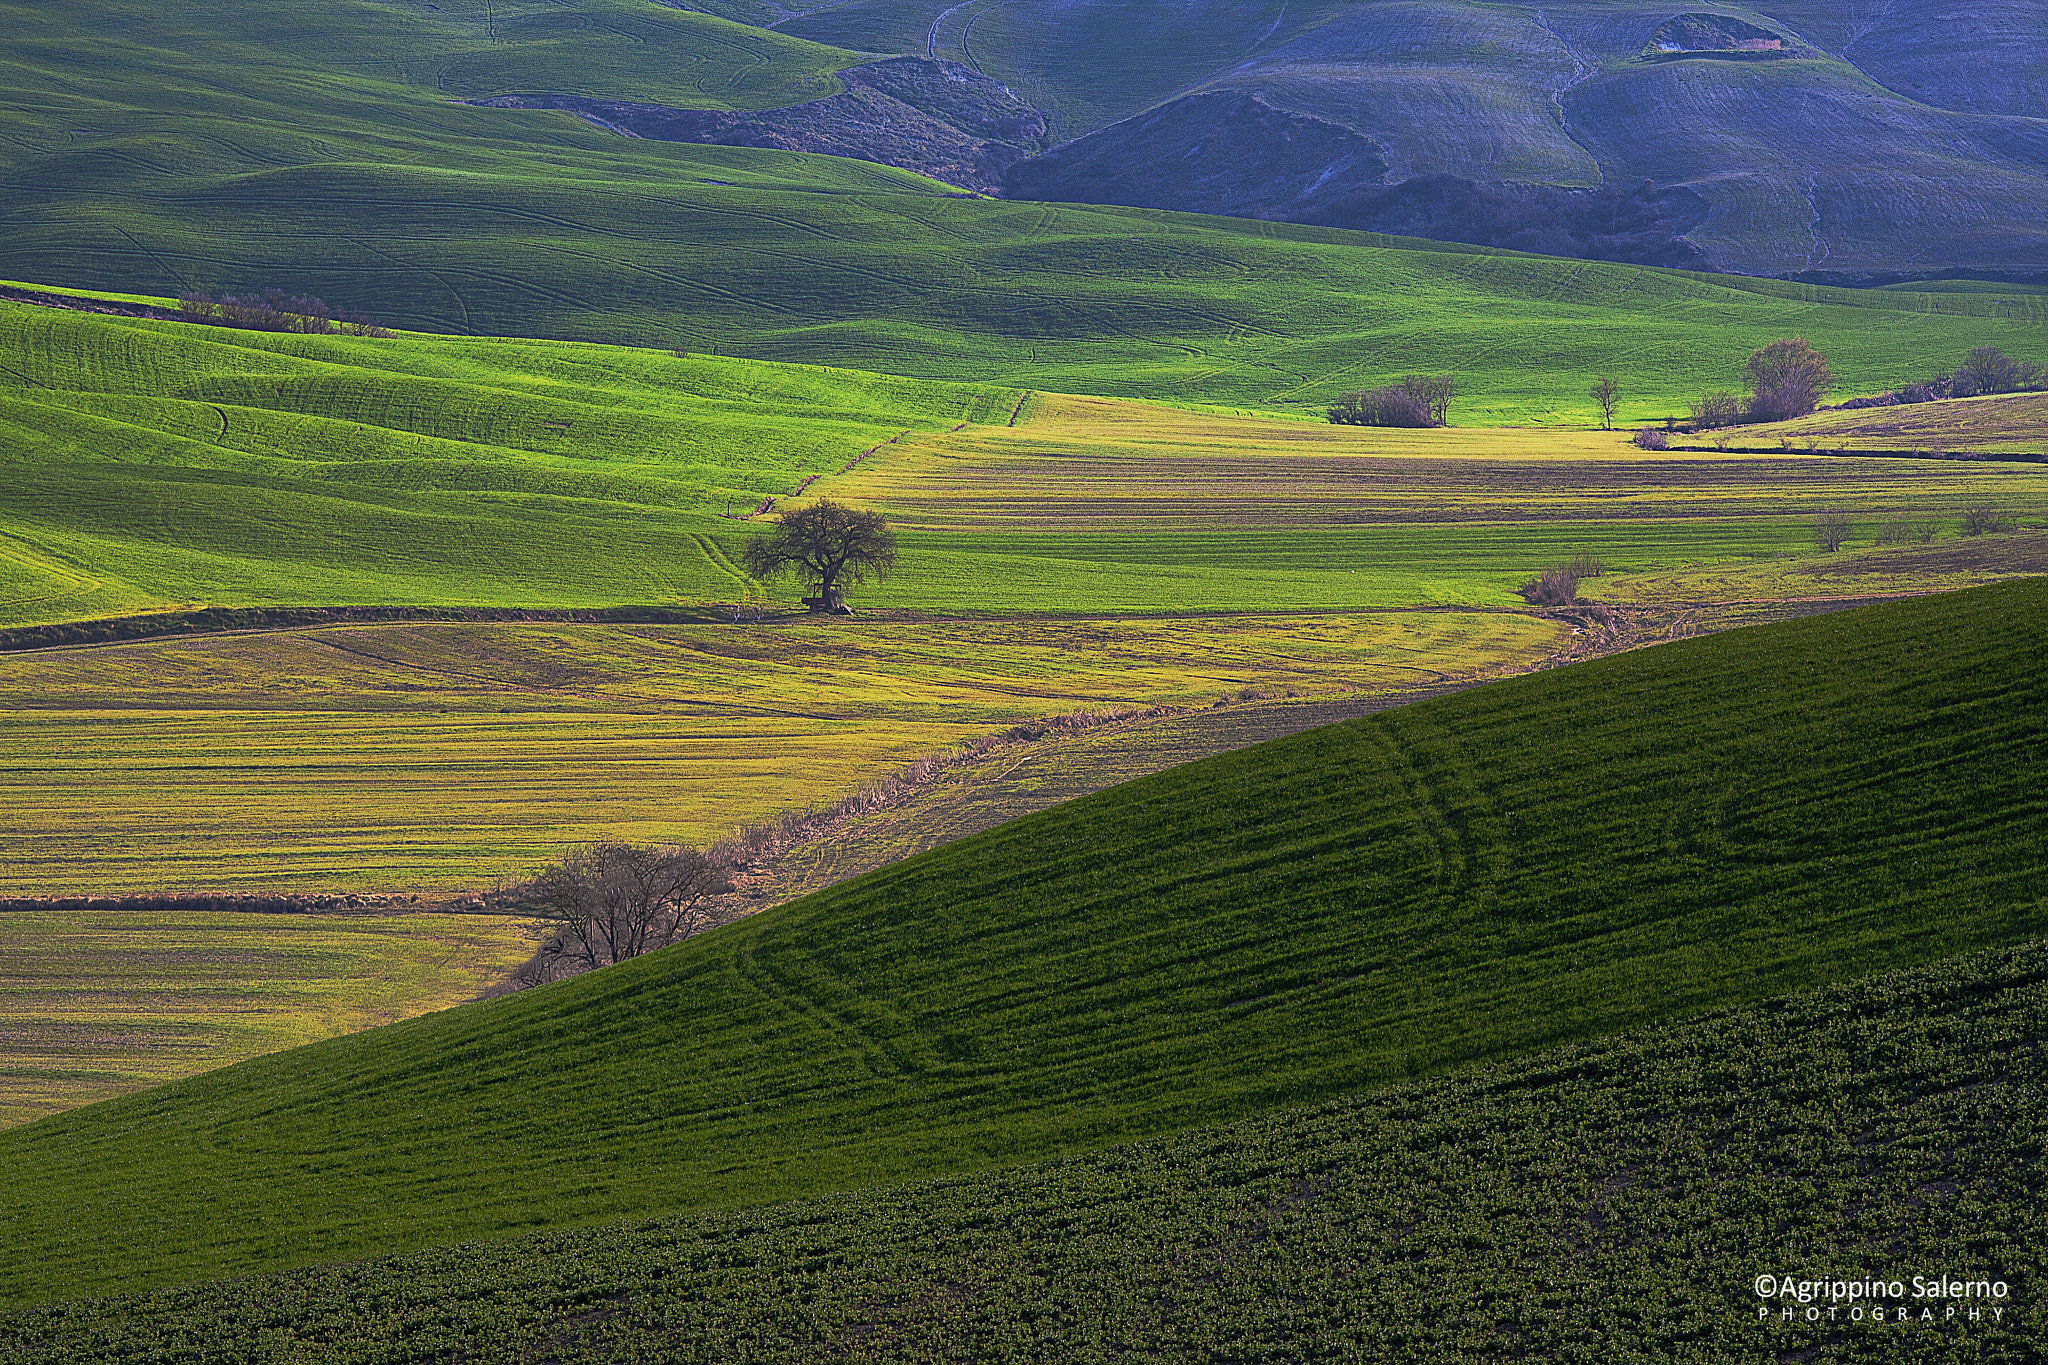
[[1838, 141], [1564, 1206], [1468, 879]]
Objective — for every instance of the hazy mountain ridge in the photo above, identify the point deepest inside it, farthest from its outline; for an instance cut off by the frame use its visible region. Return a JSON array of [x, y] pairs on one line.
[[1871, 140]]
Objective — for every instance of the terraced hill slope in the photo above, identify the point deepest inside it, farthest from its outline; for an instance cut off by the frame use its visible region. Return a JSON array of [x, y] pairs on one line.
[[1601, 1202], [1470, 879]]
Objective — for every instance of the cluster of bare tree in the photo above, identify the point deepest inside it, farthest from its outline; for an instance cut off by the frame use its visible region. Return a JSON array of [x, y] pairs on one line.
[[1559, 586], [1987, 371], [271, 311], [1419, 400], [1786, 379], [1831, 530], [606, 902], [1985, 521]]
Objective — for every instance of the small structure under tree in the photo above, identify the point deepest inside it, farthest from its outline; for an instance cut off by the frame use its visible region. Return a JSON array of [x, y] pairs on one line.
[[828, 545]]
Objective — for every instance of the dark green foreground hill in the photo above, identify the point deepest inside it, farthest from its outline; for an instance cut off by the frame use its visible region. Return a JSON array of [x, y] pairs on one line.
[[1600, 1203], [1463, 881]]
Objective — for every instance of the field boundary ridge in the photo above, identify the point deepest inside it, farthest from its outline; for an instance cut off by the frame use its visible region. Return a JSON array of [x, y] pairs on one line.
[[220, 620]]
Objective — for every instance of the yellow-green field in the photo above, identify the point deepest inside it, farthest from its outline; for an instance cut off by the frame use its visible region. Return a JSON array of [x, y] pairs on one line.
[[98, 1004], [1083, 464], [1870, 571], [443, 756], [2006, 423]]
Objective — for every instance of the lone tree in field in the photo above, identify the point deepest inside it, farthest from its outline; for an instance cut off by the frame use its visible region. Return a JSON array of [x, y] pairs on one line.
[[1786, 379], [1831, 530], [826, 544], [1608, 395]]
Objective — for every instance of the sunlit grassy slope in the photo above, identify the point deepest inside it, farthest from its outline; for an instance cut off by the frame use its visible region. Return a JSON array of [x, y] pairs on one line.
[[1471, 878], [154, 464], [97, 1004], [315, 147], [1563, 1206], [159, 464], [2006, 423]]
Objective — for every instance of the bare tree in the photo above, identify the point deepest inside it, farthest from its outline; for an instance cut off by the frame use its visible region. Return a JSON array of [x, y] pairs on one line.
[[1435, 392], [1786, 379], [1608, 395], [827, 544], [606, 902], [1831, 530], [1717, 409], [1558, 587], [1982, 521]]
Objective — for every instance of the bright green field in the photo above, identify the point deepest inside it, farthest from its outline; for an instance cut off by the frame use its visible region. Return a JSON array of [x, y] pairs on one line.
[[104, 1003], [1468, 879], [1600, 1203], [158, 465], [314, 147]]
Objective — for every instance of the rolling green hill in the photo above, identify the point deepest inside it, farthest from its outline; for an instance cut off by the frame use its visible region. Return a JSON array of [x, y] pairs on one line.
[[159, 460], [315, 148], [160, 465], [1605, 1202], [1466, 880]]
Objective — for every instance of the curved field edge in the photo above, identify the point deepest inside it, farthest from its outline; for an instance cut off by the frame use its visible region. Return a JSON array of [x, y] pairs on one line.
[[1472, 878], [1606, 1201]]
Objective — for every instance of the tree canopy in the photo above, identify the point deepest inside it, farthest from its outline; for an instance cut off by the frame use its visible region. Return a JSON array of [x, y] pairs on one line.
[[826, 544], [1786, 379]]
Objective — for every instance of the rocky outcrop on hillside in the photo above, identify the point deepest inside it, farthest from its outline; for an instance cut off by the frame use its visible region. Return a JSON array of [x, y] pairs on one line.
[[936, 118]]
